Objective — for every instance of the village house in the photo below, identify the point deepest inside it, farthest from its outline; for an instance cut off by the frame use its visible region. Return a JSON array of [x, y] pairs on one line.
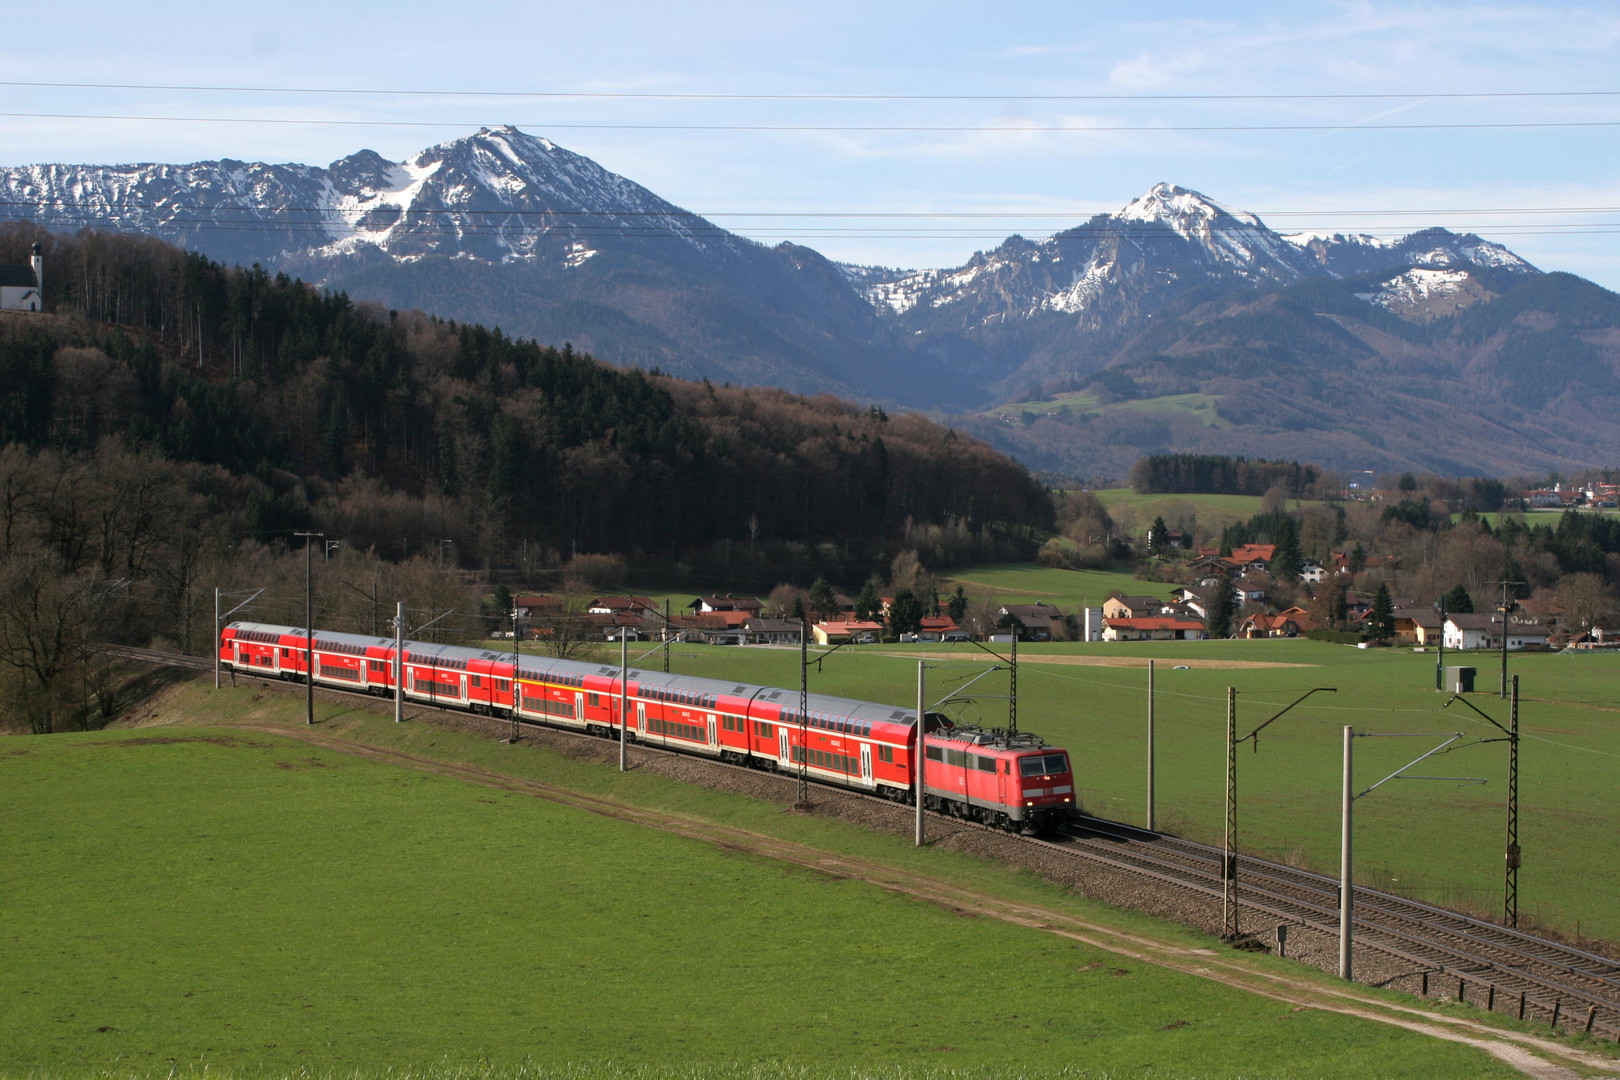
[[1285, 624], [1131, 607], [1484, 631], [614, 605], [1418, 625], [1251, 592], [1152, 628], [837, 633], [1194, 599], [760, 631], [728, 602], [1037, 620], [1254, 557]]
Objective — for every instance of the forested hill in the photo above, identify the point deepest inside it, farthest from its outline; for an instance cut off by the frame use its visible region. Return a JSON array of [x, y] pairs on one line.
[[397, 429]]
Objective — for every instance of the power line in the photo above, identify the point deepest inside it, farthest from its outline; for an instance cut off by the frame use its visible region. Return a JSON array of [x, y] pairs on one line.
[[1078, 129], [676, 212], [643, 95]]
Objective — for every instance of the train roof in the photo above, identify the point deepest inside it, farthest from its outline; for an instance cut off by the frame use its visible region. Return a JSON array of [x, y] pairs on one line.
[[993, 739], [823, 707]]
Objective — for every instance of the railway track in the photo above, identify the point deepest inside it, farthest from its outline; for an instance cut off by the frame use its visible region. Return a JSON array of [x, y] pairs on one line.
[[1492, 966], [1503, 968]]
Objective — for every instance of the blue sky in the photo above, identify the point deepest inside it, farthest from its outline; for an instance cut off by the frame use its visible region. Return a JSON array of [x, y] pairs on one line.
[[1549, 192]]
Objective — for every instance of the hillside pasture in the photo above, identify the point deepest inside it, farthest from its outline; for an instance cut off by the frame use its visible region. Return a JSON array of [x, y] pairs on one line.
[[1438, 841], [228, 902]]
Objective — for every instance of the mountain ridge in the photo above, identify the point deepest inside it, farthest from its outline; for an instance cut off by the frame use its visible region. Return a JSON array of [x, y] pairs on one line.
[[510, 229]]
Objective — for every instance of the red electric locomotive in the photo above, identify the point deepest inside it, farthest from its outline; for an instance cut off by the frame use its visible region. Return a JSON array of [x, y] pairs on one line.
[[1014, 781]]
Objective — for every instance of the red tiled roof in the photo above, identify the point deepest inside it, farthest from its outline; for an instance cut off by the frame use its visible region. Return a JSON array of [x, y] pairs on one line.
[[1155, 622]]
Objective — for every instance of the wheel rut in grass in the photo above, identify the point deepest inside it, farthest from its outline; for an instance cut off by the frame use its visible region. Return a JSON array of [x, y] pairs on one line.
[[1542, 1058]]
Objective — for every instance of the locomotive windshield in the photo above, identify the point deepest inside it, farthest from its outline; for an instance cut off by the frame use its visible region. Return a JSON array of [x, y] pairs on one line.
[[1044, 765]]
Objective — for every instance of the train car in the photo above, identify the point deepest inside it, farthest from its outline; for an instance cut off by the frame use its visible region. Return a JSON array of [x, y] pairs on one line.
[[1012, 781]]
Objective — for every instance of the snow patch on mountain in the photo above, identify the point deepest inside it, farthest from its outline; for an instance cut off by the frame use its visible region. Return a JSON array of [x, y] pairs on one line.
[[1305, 238]]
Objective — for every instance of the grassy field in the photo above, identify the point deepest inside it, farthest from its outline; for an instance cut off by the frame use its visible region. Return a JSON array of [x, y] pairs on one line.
[[1026, 583], [220, 902], [1200, 407], [1440, 841]]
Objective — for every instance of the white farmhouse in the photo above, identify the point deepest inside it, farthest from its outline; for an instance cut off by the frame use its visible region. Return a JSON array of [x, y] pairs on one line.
[[1484, 631], [22, 287]]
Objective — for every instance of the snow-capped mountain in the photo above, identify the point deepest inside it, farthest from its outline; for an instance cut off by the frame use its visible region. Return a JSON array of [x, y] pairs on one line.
[[1173, 293], [499, 195], [1162, 244]]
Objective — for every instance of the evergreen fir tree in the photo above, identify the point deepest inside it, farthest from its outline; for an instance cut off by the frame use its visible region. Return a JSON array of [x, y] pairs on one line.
[[1381, 619], [822, 601], [1222, 607], [1458, 601]]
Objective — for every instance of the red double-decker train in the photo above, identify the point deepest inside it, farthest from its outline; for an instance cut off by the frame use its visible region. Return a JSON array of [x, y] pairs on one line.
[[1014, 781]]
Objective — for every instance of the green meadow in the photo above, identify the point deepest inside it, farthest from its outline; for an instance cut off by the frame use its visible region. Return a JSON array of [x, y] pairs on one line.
[[1438, 840], [1027, 583], [213, 901]]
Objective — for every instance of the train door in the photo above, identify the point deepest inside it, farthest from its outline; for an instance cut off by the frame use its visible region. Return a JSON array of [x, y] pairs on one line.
[[866, 763], [787, 757], [1003, 770], [463, 684], [641, 717], [713, 741], [579, 706]]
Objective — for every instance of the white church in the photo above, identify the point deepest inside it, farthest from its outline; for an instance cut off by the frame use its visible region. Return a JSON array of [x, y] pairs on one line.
[[22, 287]]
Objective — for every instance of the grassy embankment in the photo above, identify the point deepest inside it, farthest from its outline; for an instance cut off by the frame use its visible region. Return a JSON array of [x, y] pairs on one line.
[[188, 900], [1435, 840]]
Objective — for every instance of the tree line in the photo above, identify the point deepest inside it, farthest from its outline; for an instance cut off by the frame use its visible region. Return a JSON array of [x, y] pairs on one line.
[[1216, 474], [404, 431]]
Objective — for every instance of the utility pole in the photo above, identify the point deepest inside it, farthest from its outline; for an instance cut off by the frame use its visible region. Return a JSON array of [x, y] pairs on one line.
[[1510, 879], [1012, 687], [309, 628], [517, 659], [804, 715], [218, 619], [399, 662], [1229, 911], [921, 757], [666, 635], [1229, 898], [1150, 817], [1510, 874], [1346, 888], [1506, 607], [1440, 657], [624, 695]]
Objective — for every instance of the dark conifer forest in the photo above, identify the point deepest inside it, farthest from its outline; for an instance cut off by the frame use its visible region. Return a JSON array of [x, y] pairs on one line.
[[400, 430]]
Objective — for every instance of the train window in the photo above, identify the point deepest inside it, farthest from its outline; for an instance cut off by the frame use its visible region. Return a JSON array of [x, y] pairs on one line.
[[886, 753], [984, 764], [1057, 763], [935, 754], [596, 700]]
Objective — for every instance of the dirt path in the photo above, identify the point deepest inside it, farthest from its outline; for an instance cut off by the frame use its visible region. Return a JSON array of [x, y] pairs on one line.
[[1543, 1058]]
